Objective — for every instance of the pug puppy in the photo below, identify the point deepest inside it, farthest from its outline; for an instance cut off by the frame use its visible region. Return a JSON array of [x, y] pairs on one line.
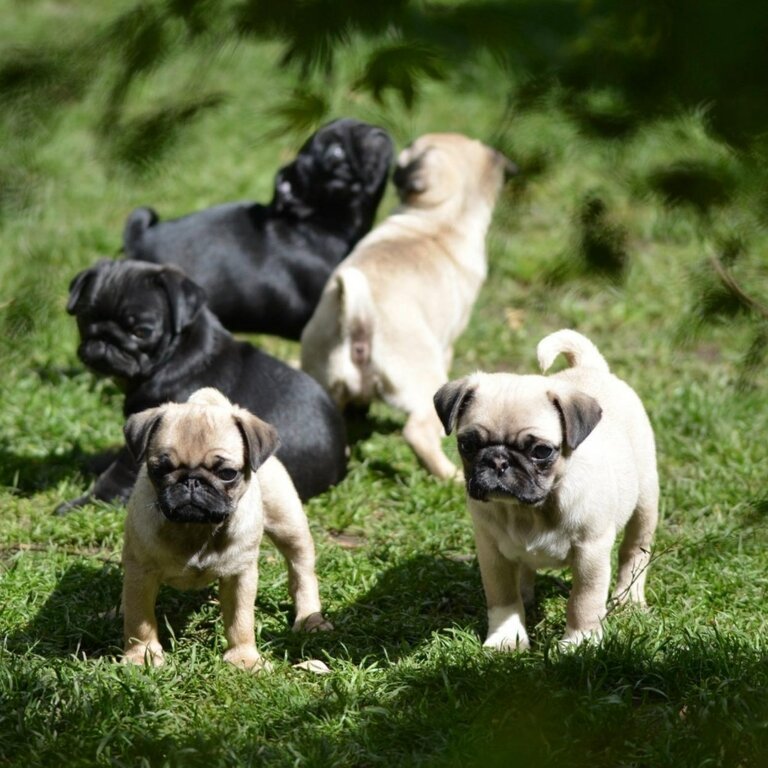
[[263, 267], [149, 328], [388, 317], [555, 467], [208, 480]]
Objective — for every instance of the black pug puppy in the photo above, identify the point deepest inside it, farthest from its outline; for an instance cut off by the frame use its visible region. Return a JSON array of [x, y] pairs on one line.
[[149, 328], [263, 267]]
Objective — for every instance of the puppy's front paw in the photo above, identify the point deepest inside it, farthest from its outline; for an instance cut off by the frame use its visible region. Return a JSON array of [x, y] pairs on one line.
[[507, 643], [246, 657], [506, 630], [574, 637], [65, 507], [315, 622], [140, 654]]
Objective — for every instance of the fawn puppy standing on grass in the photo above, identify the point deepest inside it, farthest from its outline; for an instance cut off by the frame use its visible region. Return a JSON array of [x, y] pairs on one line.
[[390, 313], [208, 481], [555, 467]]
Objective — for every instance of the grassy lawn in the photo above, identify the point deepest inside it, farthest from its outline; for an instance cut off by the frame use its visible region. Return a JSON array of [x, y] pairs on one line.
[[681, 685]]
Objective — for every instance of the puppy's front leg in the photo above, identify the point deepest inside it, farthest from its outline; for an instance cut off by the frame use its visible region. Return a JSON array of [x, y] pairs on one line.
[[141, 642], [591, 566], [501, 582], [238, 597], [286, 525]]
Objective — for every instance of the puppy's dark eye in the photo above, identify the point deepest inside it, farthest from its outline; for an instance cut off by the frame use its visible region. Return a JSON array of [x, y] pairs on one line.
[[142, 331], [161, 465], [467, 444], [542, 452], [227, 474]]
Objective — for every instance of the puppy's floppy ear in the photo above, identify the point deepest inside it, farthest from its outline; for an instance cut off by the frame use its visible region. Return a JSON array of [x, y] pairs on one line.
[[81, 285], [138, 431], [379, 151], [185, 297], [451, 400], [260, 438], [579, 415]]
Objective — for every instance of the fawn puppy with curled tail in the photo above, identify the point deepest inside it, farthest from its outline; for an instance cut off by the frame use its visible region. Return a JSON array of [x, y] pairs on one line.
[[208, 483], [556, 467], [387, 320]]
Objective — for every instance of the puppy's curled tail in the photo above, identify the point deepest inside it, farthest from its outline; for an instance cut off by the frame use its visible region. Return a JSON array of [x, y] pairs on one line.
[[578, 351], [138, 222], [356, 317]]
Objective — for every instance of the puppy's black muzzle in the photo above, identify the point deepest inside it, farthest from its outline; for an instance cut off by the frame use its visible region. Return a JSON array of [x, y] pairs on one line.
[[192, 500], [106, 358], [499, 473]]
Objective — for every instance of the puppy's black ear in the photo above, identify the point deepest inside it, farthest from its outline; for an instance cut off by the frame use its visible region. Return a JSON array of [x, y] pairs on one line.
[[138, 431], [379, 151], [260, 438], [451, 400], [579, 415], [185, 297], [82, 283]]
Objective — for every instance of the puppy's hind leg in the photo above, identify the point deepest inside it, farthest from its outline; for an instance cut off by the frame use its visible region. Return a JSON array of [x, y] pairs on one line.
[[419, 376], [635, 551], [286, 525], [423, 432]]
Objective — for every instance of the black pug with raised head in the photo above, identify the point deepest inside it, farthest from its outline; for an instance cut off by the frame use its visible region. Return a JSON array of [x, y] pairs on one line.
[[148, 327], [263, 267]]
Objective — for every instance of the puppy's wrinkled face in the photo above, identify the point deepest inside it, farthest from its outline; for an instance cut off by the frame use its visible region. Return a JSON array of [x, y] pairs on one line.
[[127, 313], [444, 166], [340, 172], [197, 462], [515, 433], [510, 442]]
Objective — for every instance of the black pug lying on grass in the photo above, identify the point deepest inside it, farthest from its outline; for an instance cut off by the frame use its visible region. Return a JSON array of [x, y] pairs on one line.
[[149, 328], [263, 267]]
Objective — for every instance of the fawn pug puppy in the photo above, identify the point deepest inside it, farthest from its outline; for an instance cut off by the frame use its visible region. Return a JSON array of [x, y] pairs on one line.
[[555, 467], [388, 317], [207, 482]]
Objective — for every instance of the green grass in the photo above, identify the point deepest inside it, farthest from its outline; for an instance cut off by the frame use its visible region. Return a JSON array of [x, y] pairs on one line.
[[681, 685]]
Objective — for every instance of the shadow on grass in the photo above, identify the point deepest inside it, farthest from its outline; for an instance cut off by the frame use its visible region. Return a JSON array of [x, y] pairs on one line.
[[410, 602], [632, 701], [81, 617], [28, 475]]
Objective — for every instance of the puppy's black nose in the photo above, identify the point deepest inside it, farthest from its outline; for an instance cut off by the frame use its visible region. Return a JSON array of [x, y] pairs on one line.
[[193, 483], [500, 463], [496, 458]]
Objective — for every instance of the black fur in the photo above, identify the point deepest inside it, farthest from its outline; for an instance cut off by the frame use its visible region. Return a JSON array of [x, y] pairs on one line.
[[263, 267], [149, 328]]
